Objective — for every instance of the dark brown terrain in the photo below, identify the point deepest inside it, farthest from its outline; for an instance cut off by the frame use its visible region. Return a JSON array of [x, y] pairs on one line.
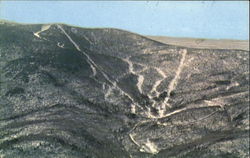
[[106, 93]]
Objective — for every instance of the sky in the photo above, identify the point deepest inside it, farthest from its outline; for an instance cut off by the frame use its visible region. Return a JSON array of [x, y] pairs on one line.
[[197, 19]]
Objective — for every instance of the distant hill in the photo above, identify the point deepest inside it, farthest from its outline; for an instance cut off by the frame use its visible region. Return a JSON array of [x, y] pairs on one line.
[[204, 43], [74, 92]]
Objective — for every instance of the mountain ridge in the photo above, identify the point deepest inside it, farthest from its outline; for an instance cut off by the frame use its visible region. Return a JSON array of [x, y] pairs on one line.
[[178, 41]]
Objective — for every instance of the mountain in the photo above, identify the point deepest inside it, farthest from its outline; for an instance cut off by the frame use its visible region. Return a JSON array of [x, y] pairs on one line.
[[107, 93]]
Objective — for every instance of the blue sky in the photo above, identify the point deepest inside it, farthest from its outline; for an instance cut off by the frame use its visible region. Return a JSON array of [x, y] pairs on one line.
[[200, 19]]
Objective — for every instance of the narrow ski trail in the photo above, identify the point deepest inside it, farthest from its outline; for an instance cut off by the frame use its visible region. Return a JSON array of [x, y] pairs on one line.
[[95, 67]]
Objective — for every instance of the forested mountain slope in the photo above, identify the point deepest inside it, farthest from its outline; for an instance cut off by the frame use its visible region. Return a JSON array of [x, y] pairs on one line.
[[107, 93]]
